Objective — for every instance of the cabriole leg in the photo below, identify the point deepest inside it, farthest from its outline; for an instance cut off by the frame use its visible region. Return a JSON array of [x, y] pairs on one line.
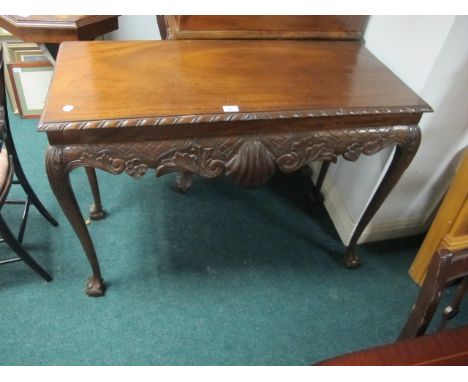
[[404, 153], [59, 178]]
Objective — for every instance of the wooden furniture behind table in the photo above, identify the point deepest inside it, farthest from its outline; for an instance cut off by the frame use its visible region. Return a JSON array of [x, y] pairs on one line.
[[262, 27], [449, 229], [447, 348], [244, 109], [51, 30]]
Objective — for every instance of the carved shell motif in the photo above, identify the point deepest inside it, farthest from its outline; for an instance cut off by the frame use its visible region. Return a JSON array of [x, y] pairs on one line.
[[252, 165]]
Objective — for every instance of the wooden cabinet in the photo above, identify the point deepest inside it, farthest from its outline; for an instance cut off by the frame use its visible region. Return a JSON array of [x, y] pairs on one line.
[[262, 27], [450, 227]]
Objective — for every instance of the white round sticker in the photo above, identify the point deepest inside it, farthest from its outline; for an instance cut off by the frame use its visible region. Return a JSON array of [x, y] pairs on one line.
[[67, 108]]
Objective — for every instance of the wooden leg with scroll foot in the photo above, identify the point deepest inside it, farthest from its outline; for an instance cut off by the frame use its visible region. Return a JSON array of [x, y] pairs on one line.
[[406, 148], [96, 212], [58, 172]]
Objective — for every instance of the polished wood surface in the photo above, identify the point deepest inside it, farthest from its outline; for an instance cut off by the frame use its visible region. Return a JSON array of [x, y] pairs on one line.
[[131, 107], [56, 28], [184, 78], [447, 348], [262, 27], [449, 229]]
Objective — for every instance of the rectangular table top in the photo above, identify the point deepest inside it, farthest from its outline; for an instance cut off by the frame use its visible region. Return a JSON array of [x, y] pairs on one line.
[[170, 82]]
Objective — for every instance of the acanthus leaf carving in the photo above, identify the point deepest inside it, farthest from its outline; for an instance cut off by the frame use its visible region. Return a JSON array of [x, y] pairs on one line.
[[304, 152], [197, 160]]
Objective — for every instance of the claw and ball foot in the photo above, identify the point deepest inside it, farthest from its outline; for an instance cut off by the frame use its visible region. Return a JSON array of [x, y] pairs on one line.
[[96, 213], [95, 287], [184, 181], [351, 260]]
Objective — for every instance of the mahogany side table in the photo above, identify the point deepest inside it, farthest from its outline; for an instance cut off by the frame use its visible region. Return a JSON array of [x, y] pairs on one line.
[[244, 109]]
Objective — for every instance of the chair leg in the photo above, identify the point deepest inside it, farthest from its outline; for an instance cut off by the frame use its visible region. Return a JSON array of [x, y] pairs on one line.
[[452, 310], [10, 145], [13, 243], [429, 297], [24, 221], [23, 181]]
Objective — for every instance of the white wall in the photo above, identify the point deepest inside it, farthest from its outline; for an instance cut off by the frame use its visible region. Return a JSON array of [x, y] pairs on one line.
[[446, 130], [135, 28], [430, 54], [408, 45]]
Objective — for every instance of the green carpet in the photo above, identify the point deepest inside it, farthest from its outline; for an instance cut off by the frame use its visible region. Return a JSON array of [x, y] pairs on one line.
[[217, 276]]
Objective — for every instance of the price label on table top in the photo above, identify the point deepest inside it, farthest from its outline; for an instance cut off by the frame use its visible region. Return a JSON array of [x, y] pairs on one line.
[[231, 108]]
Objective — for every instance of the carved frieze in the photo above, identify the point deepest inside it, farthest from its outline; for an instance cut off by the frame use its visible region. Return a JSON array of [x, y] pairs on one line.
[[250, 160]]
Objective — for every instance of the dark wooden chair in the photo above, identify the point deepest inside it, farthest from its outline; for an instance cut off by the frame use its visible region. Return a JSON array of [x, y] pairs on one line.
[[444, 269], [10, 167], [448, 347]]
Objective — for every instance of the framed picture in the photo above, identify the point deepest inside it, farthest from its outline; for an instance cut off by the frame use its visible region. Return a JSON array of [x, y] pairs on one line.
[[29, 55], [14, 51], [18, 51], [30, 82]]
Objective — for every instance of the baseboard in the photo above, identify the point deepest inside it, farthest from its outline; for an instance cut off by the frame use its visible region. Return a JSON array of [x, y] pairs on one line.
[[345, 223]]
